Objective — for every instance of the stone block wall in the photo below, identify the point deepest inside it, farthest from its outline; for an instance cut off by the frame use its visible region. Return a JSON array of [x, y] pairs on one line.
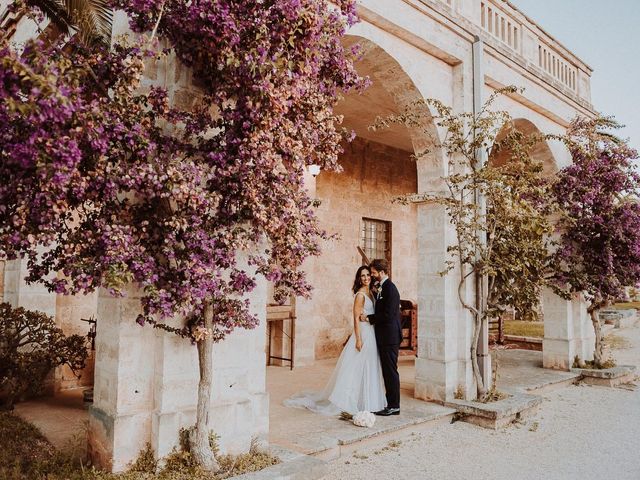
[[70, 310], [374, 174]]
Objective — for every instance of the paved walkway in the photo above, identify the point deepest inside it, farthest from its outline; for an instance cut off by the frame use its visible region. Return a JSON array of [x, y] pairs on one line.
[[61, 418], [329, 437], [579, 432], [64, 416], [311, 433]]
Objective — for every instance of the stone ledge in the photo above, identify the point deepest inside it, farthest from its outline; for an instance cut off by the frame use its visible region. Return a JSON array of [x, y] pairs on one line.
[[607, 377], [498, 414], [518, 338], [294, 466], [525, 343], [619, 318]]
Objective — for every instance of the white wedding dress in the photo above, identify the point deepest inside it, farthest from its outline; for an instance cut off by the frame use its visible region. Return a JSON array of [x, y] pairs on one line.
[[356, 383]]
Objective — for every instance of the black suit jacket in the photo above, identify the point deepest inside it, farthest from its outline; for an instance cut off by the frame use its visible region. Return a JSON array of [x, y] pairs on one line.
[[386, 319]]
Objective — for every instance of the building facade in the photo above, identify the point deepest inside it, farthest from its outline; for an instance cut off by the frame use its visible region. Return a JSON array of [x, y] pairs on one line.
[[146, 381]]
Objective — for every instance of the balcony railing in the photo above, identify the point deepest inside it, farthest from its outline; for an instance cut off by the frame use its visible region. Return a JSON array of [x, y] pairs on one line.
[[524, 37], [550, 60], [501, 25]]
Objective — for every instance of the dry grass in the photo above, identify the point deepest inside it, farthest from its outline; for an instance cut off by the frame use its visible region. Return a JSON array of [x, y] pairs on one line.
[[493, 395], [627, 305], [616, 342], [524, 329], [25, 454]]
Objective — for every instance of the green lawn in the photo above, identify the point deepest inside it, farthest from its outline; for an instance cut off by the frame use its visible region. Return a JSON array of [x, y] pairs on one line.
[[524, 329]]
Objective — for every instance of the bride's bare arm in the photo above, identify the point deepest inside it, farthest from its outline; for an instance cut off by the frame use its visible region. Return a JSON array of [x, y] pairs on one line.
[[358, 308]]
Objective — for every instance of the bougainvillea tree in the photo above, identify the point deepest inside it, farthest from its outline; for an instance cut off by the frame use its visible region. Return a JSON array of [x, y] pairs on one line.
[[505, 244], [599, 251], [108, 184]]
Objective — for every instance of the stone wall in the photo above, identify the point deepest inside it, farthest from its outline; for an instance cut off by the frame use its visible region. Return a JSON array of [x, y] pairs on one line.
[[374, 174], [146, 384], [70, 310]]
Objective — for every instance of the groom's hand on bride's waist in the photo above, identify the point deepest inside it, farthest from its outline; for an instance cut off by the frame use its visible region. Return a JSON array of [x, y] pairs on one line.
[[367, 318]]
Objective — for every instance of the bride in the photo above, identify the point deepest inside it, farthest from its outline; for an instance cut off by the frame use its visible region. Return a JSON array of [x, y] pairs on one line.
[[356, 383]]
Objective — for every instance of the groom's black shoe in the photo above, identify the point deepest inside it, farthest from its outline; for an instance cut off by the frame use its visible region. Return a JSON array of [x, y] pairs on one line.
[[388, 411]]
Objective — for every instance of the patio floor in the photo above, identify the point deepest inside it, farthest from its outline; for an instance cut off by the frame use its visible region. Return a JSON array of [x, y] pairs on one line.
[[329, 437], [61, 418]]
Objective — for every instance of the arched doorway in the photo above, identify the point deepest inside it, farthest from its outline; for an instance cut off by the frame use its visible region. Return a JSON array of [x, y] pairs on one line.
[[357, 204]]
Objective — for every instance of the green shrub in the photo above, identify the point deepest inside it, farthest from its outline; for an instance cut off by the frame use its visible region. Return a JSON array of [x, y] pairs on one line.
[[31, 345]]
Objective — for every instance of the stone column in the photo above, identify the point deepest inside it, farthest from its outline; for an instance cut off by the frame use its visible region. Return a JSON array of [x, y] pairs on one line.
[[239, 397], [582, 328], [307, 315], [559, 344], [239, 401], [146, 384], [444, 330], [123, 397], [175, 389]]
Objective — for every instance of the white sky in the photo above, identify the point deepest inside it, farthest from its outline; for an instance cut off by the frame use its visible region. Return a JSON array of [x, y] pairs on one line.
[[606, 36]]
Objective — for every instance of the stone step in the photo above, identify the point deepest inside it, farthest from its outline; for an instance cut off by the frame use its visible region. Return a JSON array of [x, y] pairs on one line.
[[340, 438]]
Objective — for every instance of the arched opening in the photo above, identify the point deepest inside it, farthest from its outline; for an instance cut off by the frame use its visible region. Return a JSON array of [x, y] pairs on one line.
[[522, 329], [357, 204], [541, 151]]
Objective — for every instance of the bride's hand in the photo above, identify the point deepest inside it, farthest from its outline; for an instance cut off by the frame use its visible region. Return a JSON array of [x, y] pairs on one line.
[[358, 344]]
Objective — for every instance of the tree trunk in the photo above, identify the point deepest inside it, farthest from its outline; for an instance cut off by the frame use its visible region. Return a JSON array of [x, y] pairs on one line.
[[481, 390], [598, 352], [199, 434]]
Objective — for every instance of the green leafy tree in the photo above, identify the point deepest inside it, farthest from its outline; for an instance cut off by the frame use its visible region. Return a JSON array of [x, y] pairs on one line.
[[499, 212]]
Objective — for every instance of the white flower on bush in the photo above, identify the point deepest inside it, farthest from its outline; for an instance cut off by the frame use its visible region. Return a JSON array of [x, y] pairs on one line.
[[364, 419]]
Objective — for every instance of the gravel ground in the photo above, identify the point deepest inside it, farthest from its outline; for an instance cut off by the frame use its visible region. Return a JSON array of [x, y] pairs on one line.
[[580, 432]]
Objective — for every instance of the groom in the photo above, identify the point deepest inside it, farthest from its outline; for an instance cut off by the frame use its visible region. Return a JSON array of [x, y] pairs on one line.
[[386, 321]]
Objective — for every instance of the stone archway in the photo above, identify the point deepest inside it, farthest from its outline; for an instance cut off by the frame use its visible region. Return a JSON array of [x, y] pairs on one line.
[[567, 332], [541, 152], [378, 166]]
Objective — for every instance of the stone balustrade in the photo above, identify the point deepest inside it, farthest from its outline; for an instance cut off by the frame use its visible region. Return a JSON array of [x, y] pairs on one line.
[[524, 37]]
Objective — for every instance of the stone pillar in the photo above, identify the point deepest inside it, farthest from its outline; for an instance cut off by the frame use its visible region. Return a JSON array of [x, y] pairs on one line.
[[18, 293], [444, 330], [239, 398], [175, 389], [240, 404], [146, 384], [582, 328], [559, 343], [123, 397]]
